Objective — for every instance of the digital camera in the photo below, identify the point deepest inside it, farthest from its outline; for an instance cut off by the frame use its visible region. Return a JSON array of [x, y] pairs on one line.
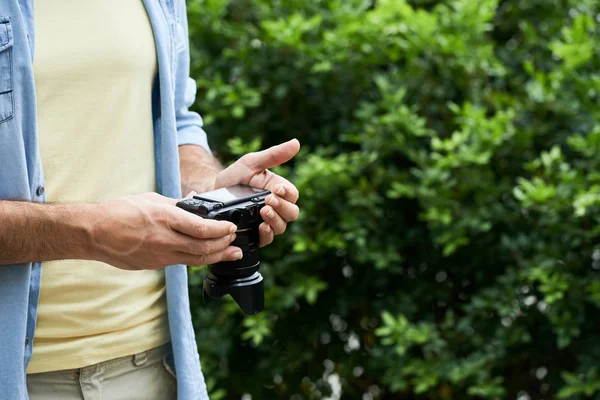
[[239, 204]]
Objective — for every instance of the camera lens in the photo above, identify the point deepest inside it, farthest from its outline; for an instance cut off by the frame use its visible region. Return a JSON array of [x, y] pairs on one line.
[[239, 278]]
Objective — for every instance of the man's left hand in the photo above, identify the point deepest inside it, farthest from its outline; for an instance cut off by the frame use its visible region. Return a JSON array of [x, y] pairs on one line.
[[253, 169]]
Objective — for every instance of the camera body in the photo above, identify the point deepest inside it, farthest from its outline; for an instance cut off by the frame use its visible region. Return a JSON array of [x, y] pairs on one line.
[[241, 205]]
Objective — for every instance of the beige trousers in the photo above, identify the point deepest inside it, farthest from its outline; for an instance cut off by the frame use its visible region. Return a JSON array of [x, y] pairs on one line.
[[144, 376]]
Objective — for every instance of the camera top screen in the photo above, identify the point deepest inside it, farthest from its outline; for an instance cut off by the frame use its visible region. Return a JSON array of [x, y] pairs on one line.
[[231, 193]]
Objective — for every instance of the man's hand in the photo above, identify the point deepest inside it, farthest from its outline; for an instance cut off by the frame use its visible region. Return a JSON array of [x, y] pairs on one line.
[[148, 231], [253, 169], [145, 231]]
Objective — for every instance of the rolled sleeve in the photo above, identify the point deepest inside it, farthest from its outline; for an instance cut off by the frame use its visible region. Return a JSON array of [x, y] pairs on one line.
[[189, 123]]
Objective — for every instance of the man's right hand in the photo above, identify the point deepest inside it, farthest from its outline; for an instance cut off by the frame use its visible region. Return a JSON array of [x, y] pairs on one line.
[[148, 231]]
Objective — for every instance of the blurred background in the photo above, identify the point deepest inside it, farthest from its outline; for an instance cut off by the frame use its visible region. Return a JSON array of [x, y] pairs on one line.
[[449, 239]]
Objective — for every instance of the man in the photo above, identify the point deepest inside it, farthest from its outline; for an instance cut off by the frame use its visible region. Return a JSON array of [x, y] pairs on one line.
[[91, 130]]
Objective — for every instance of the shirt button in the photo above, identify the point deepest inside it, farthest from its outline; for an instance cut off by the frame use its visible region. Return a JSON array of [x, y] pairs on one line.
[[27, 341], [40, 191]]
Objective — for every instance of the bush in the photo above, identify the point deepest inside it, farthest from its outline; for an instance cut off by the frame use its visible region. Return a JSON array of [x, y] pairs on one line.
[[450, 196]]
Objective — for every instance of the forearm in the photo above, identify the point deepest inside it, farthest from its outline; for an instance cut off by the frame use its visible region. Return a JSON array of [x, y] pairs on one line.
[[199, 169], [45, 232]]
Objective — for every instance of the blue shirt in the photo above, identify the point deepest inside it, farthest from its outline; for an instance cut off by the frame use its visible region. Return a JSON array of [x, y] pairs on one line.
[[22, 178]]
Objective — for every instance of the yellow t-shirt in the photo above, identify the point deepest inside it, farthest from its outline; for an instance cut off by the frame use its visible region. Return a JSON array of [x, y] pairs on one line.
[[95, 64]]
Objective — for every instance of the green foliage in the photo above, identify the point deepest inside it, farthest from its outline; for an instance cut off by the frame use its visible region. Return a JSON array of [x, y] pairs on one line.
[[447, 246]]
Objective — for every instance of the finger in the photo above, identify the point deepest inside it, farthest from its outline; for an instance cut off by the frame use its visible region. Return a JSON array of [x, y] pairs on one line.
[[198, 227], [200, 247], [231, 253], [286, 210], [273, 156], [283, 188], [265, 234], [273, 219], [275, 184]]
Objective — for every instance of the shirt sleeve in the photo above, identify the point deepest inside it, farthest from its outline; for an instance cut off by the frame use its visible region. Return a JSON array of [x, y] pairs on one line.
[[189, 123]]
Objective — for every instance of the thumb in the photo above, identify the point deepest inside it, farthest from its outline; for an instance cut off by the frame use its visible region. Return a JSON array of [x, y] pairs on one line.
[[273, 156]]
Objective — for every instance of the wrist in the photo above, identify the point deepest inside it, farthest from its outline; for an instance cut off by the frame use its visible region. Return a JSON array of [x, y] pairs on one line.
[[74, 225], [199, 169], [93, 231]]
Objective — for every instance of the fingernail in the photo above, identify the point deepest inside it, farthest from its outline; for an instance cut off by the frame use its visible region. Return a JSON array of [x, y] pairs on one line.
[[269, 211], [281, 191], [273, 201], [267, 228], [238, 255], [233, 229], [232, 237]]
